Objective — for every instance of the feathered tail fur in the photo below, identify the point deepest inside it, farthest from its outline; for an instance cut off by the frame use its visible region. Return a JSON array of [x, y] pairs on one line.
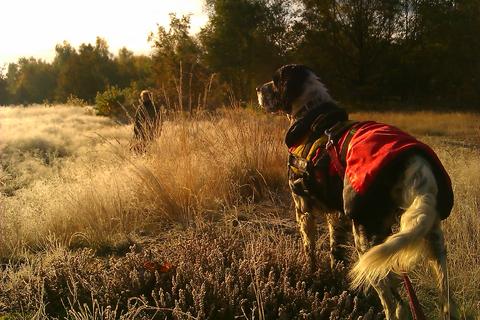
[[402, 249]]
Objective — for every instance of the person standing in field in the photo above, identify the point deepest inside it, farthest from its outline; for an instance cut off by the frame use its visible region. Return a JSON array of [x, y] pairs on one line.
[[147, 122]]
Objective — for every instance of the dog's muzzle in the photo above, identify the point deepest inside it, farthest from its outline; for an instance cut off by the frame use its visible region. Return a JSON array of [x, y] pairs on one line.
[[266, 97]]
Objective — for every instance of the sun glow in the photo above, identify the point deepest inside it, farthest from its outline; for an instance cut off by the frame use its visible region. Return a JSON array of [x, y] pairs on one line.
[[33, 28]]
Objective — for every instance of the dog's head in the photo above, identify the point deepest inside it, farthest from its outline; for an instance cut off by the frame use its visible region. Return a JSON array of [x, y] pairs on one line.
[[293, 86]]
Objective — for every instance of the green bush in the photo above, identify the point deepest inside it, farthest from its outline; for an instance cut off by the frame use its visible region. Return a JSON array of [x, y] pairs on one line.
[[116, 103]]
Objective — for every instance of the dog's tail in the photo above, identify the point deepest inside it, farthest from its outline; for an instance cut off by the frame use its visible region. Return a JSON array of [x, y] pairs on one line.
[[402, 249]]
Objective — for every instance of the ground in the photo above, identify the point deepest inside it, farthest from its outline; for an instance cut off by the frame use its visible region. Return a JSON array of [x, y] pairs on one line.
[[201, 226]]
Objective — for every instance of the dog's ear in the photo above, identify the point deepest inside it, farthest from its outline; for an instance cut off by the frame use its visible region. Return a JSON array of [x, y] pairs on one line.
[[289, 82]]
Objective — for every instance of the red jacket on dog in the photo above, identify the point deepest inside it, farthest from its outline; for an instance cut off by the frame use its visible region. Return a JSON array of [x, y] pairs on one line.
[[374, 145]]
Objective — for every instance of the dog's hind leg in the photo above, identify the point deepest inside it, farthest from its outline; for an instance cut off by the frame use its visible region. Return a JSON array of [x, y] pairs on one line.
[[338, 227], [386, 288], [391, 300], [438, 260]]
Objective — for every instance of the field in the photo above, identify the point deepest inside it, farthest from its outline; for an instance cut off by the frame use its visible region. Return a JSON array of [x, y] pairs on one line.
[[201, 226]]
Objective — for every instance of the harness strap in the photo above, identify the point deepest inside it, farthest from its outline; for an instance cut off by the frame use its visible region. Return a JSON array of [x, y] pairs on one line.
[[303, 158], [339, 158], [346, 142], [332, 152]]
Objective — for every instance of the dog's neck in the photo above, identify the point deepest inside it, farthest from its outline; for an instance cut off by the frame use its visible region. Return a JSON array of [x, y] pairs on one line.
[[301, 111], [315, 95], [315, 119]]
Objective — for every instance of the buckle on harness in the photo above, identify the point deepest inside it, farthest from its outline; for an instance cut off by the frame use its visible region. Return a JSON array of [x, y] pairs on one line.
[[298, 163], [329, 133], [298, 175], [332, 152]]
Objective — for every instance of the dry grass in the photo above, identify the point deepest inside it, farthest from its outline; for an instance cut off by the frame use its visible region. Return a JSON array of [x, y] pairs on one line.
[[87, 227], [459, 125]]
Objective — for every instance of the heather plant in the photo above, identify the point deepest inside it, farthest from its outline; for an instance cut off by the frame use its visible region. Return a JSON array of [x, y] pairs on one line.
[[202, 273]]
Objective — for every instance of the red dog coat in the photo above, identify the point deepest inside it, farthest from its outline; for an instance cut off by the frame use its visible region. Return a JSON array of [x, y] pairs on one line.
[[374, 145]]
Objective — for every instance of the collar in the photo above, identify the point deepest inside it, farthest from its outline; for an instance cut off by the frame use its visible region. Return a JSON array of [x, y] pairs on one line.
[[314, 120]]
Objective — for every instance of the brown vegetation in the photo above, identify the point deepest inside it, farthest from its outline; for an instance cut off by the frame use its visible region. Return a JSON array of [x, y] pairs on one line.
[[201, 226]]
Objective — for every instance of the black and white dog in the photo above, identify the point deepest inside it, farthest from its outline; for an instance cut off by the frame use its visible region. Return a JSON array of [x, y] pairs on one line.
[[389, 186]]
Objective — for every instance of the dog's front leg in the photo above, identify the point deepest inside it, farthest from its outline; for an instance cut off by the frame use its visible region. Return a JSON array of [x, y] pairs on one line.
[[339, 227], [308, 229]]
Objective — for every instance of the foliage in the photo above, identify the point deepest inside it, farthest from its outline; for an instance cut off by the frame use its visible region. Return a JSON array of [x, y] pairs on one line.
[[182, 81], [30, 81], [369, 53], [115, 102], [400, 51], [132, 70], [83, 73], [243, 41], [349, 41], [3, 89]]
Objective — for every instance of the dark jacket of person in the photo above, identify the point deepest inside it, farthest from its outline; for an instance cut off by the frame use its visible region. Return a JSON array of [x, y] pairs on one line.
[[146, 119]]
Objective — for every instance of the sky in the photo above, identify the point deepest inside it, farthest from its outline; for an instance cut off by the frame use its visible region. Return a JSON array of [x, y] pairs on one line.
[[33, 27]]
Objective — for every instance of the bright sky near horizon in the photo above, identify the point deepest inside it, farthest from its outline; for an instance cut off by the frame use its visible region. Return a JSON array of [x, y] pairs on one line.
[[33, 27]]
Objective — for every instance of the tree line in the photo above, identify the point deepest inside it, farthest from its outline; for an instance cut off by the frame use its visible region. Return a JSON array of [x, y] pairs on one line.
[[384, 53]]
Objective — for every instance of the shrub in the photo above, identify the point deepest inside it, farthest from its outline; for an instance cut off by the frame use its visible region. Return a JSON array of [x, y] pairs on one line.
[[116, 103]]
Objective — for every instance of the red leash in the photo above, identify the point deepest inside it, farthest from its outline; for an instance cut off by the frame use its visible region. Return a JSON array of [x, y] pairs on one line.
[[415, 306]]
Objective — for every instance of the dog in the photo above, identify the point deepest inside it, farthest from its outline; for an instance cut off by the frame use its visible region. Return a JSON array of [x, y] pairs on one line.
[[389, 188]]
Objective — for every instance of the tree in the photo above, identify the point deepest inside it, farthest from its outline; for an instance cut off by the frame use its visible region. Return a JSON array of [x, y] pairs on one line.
[[126, 69], [349, 41], [83, 73], [244, 41], [4, 97], [178, 73], [366, 51], [30, 81], [144, 77]]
